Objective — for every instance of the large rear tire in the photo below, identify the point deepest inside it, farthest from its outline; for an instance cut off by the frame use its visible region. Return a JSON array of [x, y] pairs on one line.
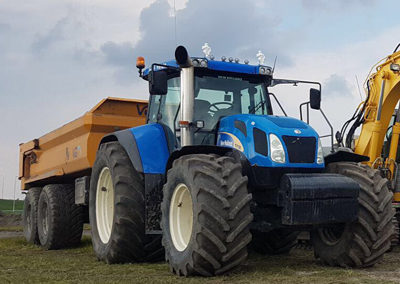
[[117, 210], [363, 242], [395, 237], [29, 217], [60, 220], [279, 241], [205, 215]]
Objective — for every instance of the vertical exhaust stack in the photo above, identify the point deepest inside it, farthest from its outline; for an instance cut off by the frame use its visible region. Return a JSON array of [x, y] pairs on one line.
[[187, 95]]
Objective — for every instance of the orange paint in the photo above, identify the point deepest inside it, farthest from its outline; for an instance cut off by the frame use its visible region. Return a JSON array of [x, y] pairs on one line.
[[70, 151]]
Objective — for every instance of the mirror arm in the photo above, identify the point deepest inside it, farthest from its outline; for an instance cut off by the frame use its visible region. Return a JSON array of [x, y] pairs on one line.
[[301, 111], [162, 66], [275, 82]]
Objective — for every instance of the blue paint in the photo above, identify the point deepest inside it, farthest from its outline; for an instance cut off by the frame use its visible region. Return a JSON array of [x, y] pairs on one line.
[[152, 146], [269, 124], [223, 66], [233, 67]]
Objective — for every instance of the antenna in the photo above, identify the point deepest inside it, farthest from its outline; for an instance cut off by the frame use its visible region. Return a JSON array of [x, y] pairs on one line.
[[273, 68], [358, 86], [176, 42]]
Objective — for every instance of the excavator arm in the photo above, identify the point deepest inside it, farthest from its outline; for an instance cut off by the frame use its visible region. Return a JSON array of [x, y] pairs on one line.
[[382, 97]]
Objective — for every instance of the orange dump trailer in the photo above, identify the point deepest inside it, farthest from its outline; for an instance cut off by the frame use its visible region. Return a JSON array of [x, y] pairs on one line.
[[70, 151]]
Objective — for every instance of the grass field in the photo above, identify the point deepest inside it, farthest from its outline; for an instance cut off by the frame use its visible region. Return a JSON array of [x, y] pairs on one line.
[[7, 205], [22, 263]]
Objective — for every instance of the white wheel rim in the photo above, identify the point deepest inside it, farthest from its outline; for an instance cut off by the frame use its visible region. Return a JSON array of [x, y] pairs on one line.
[[104, 204], [181, 217]]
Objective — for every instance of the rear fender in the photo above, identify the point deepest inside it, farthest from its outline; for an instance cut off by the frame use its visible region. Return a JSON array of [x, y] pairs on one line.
[[344, 156]]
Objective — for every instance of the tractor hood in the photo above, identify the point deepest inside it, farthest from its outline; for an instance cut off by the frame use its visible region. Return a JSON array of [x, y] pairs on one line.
[[258, 136]]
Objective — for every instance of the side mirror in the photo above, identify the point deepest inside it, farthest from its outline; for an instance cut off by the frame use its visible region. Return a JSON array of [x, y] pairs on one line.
[[315, 99], [158, 83]]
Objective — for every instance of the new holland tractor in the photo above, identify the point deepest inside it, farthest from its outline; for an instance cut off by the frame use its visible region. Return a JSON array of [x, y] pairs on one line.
[[215, 171]]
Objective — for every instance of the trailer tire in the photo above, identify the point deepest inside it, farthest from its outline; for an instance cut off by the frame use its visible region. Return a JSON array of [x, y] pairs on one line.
[[60, 220], [363, 242], [29, 217], [118, 234], [213, 190], [279, 241]]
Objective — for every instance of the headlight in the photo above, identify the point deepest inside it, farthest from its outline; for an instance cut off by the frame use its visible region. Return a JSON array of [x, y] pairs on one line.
[[277, 151], [320, 153]]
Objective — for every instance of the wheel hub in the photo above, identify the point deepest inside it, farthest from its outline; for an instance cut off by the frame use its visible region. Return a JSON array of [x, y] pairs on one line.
[[104, 205], [181, 217]]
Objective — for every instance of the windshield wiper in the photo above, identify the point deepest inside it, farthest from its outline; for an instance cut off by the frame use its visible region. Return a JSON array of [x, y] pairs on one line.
[[256, 107]]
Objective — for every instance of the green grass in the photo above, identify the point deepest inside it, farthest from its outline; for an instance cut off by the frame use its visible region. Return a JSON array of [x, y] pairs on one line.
[[21, 263], [6, 205]]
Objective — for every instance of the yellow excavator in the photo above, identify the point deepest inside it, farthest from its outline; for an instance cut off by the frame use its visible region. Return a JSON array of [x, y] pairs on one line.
[[379, 117]]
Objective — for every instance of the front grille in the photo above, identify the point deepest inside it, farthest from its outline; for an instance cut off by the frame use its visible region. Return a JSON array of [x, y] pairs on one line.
[[300, 149]]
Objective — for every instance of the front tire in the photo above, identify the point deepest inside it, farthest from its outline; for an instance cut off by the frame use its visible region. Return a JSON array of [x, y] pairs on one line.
[[363, 242], [205, 215], [117, 210], [30, 215]]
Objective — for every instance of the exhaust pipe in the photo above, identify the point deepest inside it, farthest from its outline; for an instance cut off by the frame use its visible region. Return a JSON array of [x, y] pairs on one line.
[[187, 95]]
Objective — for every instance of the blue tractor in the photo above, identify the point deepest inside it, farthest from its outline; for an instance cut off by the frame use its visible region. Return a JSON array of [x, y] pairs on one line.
[[214, 172]]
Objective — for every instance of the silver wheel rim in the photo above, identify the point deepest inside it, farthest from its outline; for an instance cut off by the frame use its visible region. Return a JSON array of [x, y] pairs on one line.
[[104, 205], [181, 217]]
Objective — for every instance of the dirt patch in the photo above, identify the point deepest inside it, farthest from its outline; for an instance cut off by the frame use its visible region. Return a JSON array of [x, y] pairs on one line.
[[7, 220], [10, 234], [10, 225]]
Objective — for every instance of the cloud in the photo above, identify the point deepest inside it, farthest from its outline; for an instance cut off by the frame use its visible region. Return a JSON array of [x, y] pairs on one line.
[[4, 28], [336, 5], [120, 55], [336, 86], [42, 42], [230, 29]]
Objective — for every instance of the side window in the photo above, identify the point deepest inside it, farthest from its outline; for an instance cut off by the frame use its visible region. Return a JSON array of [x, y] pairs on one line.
[[154, 104], [169, 103], [252, 99]]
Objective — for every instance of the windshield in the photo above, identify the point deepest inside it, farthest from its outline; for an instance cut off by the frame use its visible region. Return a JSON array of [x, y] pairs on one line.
[[215, 97]]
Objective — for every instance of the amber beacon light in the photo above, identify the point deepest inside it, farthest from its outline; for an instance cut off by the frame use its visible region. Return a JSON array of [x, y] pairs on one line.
[[140, 64]]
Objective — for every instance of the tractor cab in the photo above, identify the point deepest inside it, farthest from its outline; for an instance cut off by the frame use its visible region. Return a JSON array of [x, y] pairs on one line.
[[217, 94]]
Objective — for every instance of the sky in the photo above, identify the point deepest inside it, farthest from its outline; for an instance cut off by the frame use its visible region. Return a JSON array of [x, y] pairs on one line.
[[59, 58]]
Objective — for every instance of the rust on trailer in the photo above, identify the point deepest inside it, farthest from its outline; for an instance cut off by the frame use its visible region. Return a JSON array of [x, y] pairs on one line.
[[71, 149]]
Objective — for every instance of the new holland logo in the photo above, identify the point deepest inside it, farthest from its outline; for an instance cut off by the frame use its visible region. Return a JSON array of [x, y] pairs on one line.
[[297, 131], [229, 140]]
